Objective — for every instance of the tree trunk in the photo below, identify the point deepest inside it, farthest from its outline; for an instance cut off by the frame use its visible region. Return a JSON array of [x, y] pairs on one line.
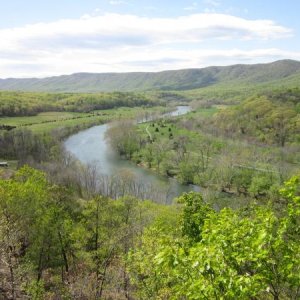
[[40, 268], [63, 253], [11, 272]]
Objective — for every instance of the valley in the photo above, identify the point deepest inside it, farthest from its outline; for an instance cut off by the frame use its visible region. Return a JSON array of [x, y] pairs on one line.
[[186, 189]]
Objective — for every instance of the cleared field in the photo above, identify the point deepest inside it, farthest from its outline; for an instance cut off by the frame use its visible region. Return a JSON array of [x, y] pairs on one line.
[[41, 117], [165, 130], [208, 112], [47, 121]]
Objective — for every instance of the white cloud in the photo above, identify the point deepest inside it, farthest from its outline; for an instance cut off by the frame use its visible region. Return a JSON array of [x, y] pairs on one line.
[[127, 30], [115, 42], [146, 59]]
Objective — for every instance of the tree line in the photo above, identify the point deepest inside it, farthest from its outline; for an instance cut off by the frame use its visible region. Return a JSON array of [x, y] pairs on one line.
[[173, 148], [14, 104], [271, 118]]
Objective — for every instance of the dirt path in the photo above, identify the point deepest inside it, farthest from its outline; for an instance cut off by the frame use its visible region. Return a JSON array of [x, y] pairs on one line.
[[148, 132]]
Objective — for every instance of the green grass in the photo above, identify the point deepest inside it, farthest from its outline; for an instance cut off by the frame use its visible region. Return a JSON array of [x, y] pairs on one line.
[[46, 122], [205, 112], [165, 127], [41, 117]]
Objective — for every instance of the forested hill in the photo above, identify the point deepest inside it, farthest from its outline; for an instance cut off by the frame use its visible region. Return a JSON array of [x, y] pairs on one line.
[[283, 71]]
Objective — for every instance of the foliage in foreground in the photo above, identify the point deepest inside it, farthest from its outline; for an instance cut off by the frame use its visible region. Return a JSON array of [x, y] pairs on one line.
[[248, 254], [54, 245]]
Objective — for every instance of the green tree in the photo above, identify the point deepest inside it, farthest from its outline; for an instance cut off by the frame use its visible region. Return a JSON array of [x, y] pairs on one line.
[[242, 254]]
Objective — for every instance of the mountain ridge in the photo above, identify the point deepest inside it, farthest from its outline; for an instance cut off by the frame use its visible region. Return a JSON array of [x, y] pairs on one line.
[[180, 80]]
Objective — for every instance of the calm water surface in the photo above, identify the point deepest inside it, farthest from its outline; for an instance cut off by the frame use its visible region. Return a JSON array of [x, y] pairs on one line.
[[91, 147]]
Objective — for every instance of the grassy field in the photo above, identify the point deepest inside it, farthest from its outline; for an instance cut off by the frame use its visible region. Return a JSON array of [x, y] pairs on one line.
[[40, 118], [206, 112], [45, 122], [161, 129]]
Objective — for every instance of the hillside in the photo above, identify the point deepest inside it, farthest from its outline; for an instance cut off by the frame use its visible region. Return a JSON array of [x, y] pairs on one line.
[[280, 72]]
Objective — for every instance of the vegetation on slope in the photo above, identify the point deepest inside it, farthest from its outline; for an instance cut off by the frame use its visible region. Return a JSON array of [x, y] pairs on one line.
[[272, 118], [246, 150], [55, 244], [62, 236], [248, 254], [275, 73]]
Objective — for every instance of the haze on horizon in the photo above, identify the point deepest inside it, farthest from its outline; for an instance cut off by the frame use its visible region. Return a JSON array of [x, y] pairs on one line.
[[61, 37]]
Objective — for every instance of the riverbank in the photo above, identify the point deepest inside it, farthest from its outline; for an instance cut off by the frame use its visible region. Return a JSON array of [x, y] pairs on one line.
[[42, 134], [186, 149], [91, 147]]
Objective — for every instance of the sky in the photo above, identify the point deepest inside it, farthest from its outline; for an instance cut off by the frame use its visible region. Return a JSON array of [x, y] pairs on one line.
[[49, 38]]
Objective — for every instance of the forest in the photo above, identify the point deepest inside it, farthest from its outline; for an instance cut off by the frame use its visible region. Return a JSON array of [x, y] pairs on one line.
[[247, 150], [149, 150], [57, 245], [62, 236], [15, 104]]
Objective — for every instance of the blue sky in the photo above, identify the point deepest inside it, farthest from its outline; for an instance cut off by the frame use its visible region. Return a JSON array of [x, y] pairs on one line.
[[45, 38]]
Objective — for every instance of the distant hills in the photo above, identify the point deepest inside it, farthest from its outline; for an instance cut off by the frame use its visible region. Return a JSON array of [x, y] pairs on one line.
[[282, 71]]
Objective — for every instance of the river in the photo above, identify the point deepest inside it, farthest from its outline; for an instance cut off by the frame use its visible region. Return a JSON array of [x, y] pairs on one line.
[[91, 148]]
